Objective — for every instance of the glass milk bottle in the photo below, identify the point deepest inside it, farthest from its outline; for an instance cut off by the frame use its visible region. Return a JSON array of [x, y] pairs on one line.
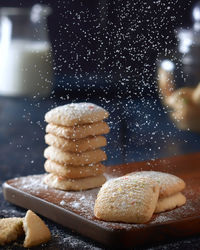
[[25, 52]]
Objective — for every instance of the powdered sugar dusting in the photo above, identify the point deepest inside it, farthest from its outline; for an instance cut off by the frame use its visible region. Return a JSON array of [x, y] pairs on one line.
[[165, 180], [127, 198], [79, 109], [75, 111]]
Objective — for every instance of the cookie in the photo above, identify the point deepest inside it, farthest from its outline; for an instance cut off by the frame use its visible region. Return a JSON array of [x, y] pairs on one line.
[[76, 159], [73, 145], [74, 171], [165, 83], [36, 232], [79, 131], [170, 202], [187, 117], [76, 113], [130, 199], [10, 230], [196, 94], [59, 182], [180, 98], [169, 184]]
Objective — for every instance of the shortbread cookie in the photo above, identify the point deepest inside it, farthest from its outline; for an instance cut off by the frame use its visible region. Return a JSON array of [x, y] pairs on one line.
[[73, 145], [180, 98], [76, 113], [59, 182], [187, 117], [170, 202], [10, 230], [196, 94], [169, 184], [36, 232], [70, 171], [130, 199], [76, 159], [79, 131]]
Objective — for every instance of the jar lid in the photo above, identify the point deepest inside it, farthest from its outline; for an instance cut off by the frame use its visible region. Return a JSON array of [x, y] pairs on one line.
[[37, 9], [5, 11]]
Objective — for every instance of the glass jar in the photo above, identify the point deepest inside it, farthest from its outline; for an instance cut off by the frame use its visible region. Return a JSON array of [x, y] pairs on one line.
[[25, 52], [179, 77]]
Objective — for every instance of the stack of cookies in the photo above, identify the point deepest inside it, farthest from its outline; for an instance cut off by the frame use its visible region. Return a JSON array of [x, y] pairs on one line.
[[75, 135]]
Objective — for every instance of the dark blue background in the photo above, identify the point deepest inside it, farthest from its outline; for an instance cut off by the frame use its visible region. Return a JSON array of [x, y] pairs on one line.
[[124, 38]]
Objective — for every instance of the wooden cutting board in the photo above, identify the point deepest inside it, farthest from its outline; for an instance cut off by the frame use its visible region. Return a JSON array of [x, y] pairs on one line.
[[75, 209]]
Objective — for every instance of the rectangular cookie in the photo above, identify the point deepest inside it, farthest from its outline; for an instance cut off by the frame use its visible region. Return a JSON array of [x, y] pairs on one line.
[[130, 199]]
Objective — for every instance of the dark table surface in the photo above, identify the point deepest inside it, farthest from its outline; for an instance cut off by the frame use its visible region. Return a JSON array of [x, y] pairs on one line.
[[140, 130]]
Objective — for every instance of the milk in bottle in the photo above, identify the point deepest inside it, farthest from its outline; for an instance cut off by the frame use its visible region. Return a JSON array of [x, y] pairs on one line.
[[25, 53]]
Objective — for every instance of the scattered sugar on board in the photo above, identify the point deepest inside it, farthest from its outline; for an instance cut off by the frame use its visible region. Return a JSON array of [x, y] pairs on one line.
[[83, 203], [75, 204], [77, 201], [63, 203], [33, 185]]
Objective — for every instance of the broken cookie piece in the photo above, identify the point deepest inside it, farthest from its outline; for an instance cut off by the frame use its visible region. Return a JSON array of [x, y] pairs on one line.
[[36, 232], [10, 230]]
